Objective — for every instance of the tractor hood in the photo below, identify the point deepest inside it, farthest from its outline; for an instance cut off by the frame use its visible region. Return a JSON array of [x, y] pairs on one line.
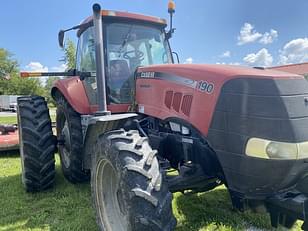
[[230, 106], [205, 83], [221, 73]]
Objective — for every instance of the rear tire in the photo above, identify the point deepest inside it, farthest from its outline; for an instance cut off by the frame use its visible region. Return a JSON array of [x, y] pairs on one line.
[[69, 133], [37, 144], [128, 189]]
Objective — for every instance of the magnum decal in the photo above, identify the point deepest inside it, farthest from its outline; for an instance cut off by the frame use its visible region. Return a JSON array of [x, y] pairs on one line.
[[202, 85]]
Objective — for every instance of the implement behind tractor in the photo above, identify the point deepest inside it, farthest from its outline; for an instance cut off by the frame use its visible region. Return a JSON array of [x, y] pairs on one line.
[[127, 114], [8, 138]]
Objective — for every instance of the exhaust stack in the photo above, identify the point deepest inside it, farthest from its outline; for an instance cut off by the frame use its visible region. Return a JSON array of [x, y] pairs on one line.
[[99, 57]]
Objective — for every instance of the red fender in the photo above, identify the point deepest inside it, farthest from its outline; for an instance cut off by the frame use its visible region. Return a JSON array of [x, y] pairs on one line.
[[74, 92]]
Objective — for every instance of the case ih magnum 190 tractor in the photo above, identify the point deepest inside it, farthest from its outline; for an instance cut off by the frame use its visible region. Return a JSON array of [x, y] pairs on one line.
[[127, 114]]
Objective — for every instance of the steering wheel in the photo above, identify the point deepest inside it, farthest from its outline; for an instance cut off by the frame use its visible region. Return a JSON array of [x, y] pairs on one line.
[[138, 55], [113, 99]]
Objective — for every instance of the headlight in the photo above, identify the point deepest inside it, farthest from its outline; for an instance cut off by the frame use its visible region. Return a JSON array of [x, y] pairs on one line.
[[276, 150]]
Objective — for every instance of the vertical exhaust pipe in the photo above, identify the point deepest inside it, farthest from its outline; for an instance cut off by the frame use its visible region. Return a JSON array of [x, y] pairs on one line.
[[100, 63]]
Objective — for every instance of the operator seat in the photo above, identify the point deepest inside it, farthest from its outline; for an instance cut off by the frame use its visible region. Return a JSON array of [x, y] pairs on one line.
[[119, 80], [119, 70]]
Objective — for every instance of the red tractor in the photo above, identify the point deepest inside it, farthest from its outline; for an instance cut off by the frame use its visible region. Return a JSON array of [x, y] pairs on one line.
[[127, 114]]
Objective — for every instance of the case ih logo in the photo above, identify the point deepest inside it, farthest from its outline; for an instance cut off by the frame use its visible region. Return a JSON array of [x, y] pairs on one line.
[[147, 74]]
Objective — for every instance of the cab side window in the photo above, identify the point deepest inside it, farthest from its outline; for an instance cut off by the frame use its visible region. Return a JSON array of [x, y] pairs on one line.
[[86, 51], [86, 63]]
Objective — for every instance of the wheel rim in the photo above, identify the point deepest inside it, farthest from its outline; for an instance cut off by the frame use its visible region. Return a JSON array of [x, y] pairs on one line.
[[109, 198], [66, 149]]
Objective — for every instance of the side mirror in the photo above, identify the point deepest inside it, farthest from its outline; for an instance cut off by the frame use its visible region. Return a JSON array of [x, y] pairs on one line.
[[61, 38], [176, 55]]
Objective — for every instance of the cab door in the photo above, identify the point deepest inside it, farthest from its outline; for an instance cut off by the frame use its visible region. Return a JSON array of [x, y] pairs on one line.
[[85, 62]]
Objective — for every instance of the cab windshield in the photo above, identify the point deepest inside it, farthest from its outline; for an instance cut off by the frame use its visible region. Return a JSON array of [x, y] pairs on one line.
[[130, 46]]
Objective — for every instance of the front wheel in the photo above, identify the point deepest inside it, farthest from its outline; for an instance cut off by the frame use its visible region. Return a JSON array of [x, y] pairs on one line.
[[128, 188]]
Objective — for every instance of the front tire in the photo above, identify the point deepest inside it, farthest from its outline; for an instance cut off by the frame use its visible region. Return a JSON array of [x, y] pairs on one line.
[[37, 144], [128, 188]]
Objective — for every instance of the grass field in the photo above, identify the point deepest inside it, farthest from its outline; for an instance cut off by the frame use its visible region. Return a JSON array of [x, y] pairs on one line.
[[69, 207]]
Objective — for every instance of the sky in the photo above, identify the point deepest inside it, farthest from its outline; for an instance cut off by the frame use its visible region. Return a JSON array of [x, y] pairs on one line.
[[238, 32]]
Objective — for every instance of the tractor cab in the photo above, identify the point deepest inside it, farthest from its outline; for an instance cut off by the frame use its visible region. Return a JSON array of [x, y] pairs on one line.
[[130, 41]]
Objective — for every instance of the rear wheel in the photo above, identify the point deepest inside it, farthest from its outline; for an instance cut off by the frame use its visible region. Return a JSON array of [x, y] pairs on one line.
[[128, 188], [69, 133], [37, 144]]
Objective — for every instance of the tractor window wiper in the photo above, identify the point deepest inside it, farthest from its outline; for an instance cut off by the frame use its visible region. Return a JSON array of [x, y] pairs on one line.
[[125, 40]]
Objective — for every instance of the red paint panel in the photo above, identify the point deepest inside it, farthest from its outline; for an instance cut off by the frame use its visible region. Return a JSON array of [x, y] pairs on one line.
[[114, 108], [119, 14], [203, 104], [299, 68], [74, 92]]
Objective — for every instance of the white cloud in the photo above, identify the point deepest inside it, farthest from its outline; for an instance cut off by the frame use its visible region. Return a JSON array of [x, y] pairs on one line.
[[295, 51], [231, 63], [226, 54], [36, 67], [189, 60], [61, 68], [269, 37], [248, 34], [235, 63], [261, 58]]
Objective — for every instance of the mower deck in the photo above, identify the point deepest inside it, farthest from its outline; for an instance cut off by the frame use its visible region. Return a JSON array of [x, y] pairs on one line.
[[9, 141], [9, 138]]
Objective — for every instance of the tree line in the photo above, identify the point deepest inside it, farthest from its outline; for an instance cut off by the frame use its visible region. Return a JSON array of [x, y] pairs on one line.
[[12, 84]]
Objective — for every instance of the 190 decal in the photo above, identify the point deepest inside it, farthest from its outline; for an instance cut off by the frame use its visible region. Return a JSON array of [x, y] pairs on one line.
[[205, 87]]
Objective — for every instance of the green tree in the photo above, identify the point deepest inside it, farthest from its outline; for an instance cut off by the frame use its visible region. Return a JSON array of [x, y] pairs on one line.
[[49, 84], [10, 81], [69, 54], [306, 76], [69, 59]]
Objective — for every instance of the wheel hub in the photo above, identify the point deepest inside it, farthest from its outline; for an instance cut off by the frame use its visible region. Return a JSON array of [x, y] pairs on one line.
[[66, 149]]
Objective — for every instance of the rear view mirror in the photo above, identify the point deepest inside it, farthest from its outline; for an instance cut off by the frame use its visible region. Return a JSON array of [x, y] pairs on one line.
[[61, 38]]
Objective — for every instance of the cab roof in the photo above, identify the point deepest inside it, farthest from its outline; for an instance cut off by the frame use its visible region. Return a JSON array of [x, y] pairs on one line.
[[127, 15], [123, 15]]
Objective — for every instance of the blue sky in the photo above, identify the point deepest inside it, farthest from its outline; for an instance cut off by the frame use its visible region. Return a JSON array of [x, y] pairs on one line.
[[255, 33]]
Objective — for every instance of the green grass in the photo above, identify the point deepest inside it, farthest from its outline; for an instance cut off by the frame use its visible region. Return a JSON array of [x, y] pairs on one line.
[[8, 120], [13, 119], [69, 207]]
